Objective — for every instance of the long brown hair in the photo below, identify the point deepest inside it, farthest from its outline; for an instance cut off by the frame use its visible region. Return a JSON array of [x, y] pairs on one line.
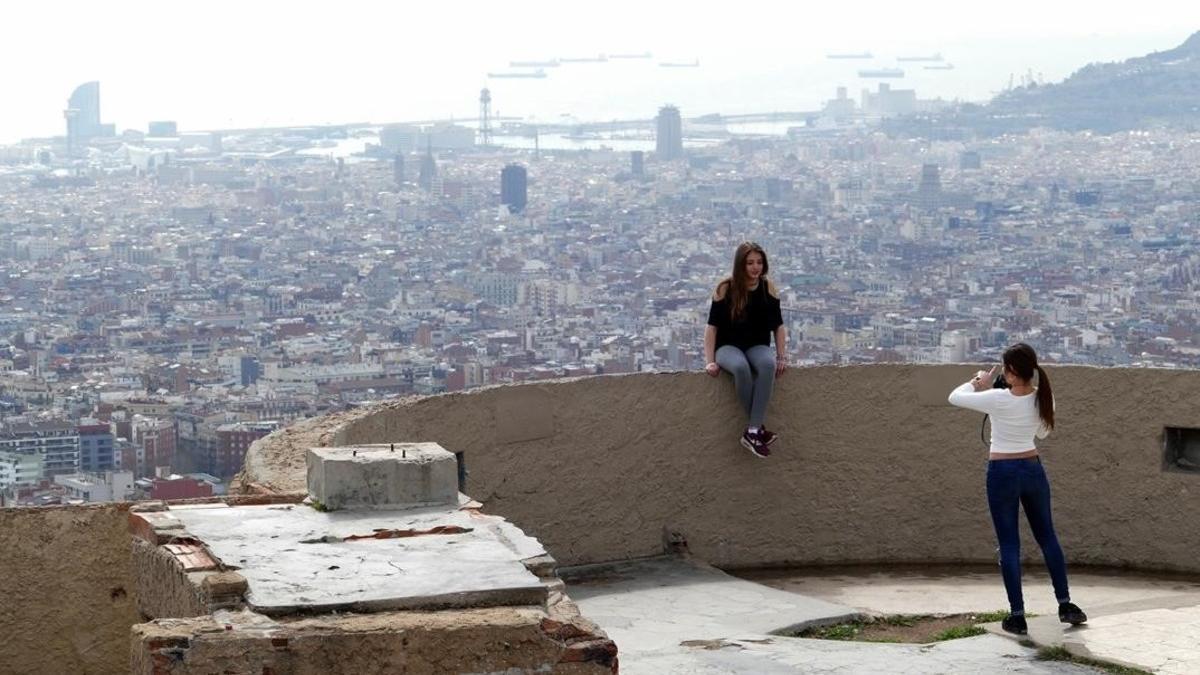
[[1022, 360], [734, 286]]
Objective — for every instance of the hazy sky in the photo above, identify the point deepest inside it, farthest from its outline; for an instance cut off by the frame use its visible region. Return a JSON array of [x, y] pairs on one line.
[[221, 63]]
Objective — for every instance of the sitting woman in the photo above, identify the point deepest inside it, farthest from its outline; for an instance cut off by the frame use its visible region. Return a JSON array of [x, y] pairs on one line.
[[742, 319]]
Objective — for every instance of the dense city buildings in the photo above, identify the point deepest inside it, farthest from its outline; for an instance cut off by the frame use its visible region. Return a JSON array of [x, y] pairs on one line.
[[165, 300]]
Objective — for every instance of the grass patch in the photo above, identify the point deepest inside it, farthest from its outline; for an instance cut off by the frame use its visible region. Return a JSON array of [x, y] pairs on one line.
[[1061, 654], [957, 632], [906, 628], [841, 631]]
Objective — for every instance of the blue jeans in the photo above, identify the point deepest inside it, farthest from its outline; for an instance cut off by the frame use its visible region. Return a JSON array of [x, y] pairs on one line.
[[753, 376], [1013, 483]]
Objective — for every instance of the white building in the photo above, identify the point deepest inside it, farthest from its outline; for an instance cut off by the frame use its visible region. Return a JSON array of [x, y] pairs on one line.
[[111, 486]]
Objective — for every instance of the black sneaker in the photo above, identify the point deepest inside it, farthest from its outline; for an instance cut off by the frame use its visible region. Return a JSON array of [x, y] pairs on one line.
[[767, 437], [754, 444], [1069, 612], [1015, 625]]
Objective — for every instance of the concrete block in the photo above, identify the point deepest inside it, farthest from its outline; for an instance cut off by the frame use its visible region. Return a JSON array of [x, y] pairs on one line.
[[156, 527], [399, 475]]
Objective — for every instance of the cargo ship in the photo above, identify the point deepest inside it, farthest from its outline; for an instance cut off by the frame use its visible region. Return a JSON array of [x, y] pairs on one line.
[[676, 64], [936, 56], [643, 55], [585, 59], [941, 66], [855, 55], [881, 72], [552, 63], [533, 74]]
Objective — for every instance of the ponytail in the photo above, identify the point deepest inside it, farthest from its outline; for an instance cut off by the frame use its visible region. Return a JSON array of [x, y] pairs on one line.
[[1045, 399]]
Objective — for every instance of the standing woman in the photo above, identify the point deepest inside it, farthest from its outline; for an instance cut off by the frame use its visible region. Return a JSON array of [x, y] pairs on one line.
[[1015, 477], [744, 315]]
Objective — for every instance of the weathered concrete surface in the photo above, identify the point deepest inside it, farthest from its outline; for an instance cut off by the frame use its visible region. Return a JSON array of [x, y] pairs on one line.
[[873, 465], [772, 655], [673, 616], [493, 640], [1159, 635], [296, 558], [648, 604], [955, 590], [382, 476], [66, 583]]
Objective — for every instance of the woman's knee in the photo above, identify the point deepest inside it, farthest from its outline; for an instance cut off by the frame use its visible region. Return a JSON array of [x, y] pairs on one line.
[[738, 368], [763, 360]]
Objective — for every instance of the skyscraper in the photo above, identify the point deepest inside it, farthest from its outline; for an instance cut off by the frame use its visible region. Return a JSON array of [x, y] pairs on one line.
[[83, 116], [637, 163], [428, 168], [669, 139], [929, 193], [398, 169], [513, 185]]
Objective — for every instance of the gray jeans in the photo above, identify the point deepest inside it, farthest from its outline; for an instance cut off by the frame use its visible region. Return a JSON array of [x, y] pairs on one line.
[[753, 376]]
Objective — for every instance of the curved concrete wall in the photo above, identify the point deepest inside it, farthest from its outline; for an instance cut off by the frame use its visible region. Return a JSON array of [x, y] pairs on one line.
[[66, 590], [873, 465]]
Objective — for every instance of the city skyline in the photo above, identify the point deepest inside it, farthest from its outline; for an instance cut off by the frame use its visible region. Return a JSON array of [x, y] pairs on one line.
[[168, 296], [319, 68]]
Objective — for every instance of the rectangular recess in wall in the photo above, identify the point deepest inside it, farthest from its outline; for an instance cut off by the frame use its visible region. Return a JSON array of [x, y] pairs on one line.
[[1181, 449], [461, 460]]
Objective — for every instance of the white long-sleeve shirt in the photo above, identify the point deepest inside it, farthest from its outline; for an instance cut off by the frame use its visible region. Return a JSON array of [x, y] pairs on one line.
[[1015, 420]]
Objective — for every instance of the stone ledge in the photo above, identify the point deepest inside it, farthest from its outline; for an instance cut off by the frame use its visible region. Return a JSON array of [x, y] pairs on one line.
[[519, 639]]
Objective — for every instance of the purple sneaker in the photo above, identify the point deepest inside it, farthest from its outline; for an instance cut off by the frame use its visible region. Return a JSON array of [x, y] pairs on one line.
[[767, 437], [753, 442]]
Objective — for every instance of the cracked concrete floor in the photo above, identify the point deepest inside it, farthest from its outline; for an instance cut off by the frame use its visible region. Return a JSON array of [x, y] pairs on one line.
[[671, 615]]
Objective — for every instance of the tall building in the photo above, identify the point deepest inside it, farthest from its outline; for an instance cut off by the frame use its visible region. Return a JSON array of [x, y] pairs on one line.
[[929, 193], [398, 169], [428, 169], [95, 447], [637, 163], [55, 443], [83, 116], [668, 142], [233, 440], [513, 187], [401, 138]]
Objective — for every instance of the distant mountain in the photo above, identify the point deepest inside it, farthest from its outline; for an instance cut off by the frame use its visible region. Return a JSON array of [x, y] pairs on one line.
[[1162, 88]]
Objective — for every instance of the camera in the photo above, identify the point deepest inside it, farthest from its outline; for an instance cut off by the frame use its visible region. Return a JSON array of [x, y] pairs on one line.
[[1000, 382]]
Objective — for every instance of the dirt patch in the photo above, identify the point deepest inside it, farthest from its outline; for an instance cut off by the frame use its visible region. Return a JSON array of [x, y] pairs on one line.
[[921, 629]]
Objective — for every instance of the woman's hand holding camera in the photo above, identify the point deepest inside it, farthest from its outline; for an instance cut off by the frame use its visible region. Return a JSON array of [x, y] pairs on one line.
[[983, 379]]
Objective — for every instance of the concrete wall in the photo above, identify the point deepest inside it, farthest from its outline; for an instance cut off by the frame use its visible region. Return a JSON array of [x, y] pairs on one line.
[[66, 590], [873, 465]]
